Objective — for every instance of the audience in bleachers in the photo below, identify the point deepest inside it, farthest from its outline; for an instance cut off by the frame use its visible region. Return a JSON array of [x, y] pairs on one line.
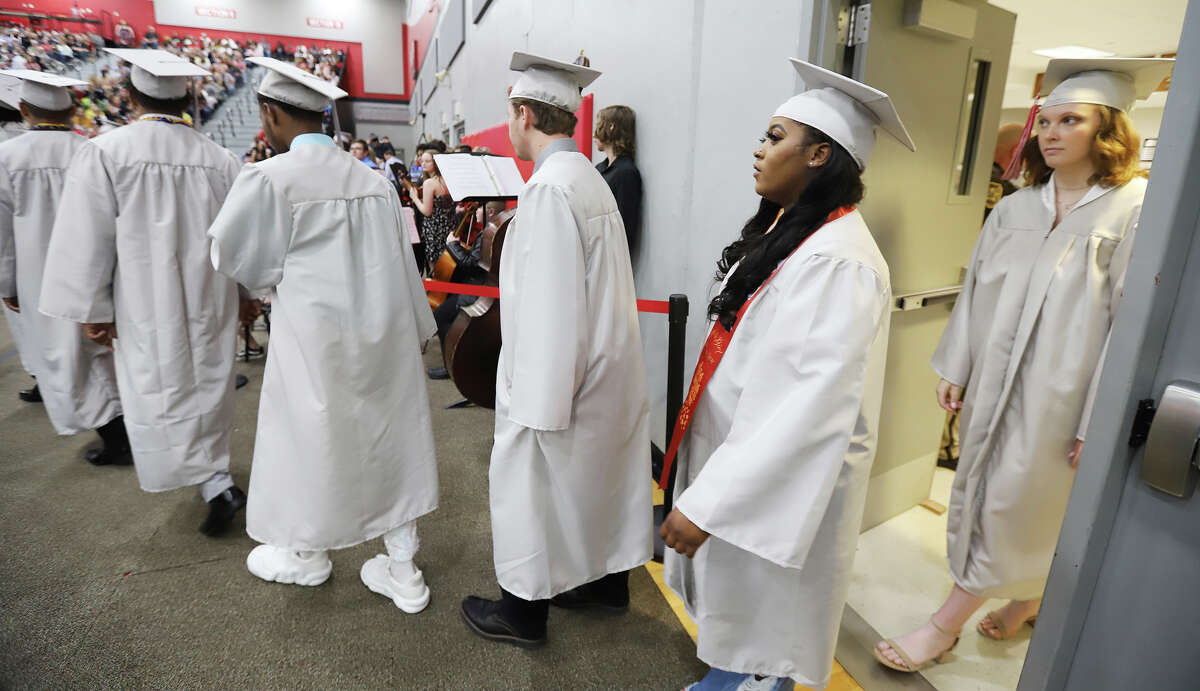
[[108, 104], [28, 48]]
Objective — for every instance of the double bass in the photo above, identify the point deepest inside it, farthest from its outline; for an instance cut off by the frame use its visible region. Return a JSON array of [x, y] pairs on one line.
[[443, 270], [472, 348]]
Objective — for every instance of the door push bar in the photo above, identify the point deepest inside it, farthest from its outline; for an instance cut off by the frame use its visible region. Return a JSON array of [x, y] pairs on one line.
[[924, 298], [1171, 460]]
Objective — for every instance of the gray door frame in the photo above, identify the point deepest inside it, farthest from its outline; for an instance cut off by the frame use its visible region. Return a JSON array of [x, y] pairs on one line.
[[1165, 233]]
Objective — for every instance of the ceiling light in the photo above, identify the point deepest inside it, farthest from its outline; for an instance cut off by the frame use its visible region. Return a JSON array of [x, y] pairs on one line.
[[1073, 52]]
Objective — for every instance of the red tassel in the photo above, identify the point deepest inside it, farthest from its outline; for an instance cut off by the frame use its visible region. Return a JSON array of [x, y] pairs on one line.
[[1013, 171]]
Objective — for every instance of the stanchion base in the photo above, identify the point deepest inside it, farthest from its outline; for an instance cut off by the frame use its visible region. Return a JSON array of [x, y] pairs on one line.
[[660, 515]]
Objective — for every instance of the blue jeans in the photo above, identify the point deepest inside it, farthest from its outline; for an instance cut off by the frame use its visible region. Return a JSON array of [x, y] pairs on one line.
[[720, 680]]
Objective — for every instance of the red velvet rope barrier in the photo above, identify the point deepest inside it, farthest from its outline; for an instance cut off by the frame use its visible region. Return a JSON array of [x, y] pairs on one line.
[[655, 306]]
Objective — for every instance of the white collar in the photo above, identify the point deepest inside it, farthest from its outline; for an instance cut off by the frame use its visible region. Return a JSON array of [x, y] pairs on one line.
[[1050, 196]]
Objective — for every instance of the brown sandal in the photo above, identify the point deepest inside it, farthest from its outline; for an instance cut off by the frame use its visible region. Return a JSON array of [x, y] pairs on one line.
[[998, 623], [909, 665]]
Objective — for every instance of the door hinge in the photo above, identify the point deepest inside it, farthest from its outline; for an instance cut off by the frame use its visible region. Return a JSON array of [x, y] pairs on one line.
[[1141, 422], [860, 24]]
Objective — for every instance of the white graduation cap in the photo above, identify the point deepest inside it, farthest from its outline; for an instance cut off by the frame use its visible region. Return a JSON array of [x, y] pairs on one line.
[[46, 91], [845, 110], [291, 85], [157, 73], [549, 81], [1113, 82]]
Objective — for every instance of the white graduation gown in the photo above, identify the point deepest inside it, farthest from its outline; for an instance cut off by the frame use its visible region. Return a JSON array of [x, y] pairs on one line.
[[569, 477], [1026, 339], [344, 450], [75, 376], [16, 329], [130, 247], [775, 463]]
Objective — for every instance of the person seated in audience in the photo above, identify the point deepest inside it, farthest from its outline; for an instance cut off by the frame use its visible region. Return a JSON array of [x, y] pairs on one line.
[[467, 271], [360, 150]]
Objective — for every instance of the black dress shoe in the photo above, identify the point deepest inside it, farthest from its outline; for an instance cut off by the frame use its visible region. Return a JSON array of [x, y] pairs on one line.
[[486, 618], [102, 455], [33, 395], [221, 510], [115, 450], [438, 373], [588, 596], [240, 380]]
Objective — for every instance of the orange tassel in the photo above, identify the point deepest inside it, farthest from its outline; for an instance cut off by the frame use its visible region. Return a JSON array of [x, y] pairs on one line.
[[1013, 171]]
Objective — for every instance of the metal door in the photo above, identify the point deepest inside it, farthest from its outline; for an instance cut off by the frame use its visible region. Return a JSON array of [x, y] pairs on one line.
[[1123, 600], [925, 208]]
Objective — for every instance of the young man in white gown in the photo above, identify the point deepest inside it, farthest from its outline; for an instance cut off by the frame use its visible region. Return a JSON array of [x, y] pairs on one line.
[[344, 451], [128, 258], [76, 377], [570, 503]]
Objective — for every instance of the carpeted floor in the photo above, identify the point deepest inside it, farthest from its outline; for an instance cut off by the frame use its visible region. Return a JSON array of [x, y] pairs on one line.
[[104, 586]]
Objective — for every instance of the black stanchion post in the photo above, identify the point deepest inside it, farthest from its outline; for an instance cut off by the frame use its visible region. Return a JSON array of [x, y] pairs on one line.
[[676, 334], [677, 315]]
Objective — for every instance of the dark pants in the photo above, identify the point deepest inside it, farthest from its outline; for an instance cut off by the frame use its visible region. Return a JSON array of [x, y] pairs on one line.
[[444, 316], [531, 615], [112, 433], [613, 587], [528, 616]]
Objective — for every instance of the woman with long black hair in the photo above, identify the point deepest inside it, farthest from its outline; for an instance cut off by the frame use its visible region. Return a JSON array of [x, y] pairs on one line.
[[777, 434]]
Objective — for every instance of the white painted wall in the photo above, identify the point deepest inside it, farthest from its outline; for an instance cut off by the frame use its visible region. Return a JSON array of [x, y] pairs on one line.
[[703, 76], [376, 24]]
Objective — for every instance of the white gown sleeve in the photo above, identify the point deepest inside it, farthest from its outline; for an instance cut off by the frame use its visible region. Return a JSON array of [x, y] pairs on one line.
[[77, 283], [426, 326], [1116, 277], [546, 347], [8, 246], [767, 486], [251, 234], [952, 357]]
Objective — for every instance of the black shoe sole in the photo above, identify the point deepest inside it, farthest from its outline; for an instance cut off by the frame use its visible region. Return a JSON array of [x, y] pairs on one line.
[[104, 459], [528, 643], [217, 529]]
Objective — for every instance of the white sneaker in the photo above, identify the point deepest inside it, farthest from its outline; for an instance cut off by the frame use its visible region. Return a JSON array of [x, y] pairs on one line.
[[287, 566], [411, 596], [764, 684]]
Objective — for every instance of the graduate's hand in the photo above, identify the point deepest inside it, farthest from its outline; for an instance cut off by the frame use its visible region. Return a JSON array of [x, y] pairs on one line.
[[949, 396], [248, 311], [102, 333], [12, 303], [1075, 451], [681, 535]]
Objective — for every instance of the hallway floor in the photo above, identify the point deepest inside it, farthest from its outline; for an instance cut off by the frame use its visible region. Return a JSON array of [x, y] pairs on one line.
[[105, 586], [901, 577]]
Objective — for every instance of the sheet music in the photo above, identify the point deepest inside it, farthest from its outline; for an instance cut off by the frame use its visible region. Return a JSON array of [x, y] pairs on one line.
[[509, 182], [465, 176]]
